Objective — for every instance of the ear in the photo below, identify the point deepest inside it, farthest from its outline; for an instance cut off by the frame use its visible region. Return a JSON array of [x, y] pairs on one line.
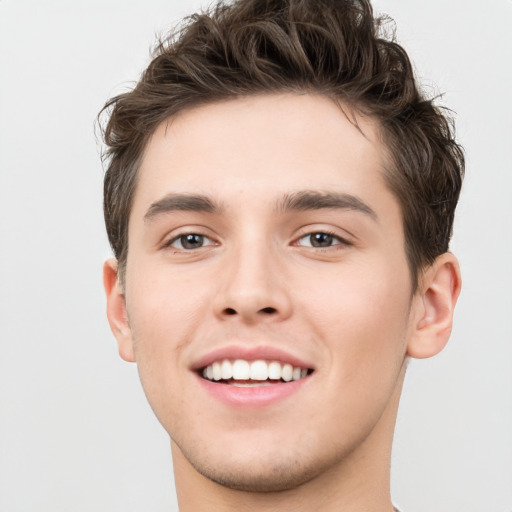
[[434, 303], [116, 311]]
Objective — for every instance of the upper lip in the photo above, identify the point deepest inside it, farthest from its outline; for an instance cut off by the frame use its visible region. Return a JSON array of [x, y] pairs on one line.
[[250, 353]]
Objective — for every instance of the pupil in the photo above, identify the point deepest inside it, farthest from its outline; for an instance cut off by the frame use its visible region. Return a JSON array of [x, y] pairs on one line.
[[192, 241], [321, 240]]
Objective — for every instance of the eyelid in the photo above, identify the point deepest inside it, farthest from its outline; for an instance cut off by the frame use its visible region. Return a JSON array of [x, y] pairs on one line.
[[338, 239], [177, 234], [346, 240]]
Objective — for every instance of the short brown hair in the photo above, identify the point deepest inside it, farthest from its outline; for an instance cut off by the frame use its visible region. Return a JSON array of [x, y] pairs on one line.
[[332, 47]]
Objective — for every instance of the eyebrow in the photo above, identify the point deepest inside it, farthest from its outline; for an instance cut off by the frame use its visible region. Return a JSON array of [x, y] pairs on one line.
[[316, 200], [297, 201], [182, 202]]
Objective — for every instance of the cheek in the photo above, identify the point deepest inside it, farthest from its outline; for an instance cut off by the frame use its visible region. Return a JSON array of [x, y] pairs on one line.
[[358, 318], [162, 321], [164, 301], [164, 311], [361, 313]]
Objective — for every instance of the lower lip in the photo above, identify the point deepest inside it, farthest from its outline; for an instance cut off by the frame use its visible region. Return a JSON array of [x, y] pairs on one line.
[[258, 396]]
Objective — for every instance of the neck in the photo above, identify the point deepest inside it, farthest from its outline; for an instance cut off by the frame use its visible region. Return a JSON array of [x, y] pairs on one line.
[[359, 483]]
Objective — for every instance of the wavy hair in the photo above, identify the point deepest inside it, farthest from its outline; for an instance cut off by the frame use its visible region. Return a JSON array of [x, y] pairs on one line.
[[336, 48]]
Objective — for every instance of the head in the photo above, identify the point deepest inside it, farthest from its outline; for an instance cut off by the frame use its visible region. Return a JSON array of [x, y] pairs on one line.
[[332, 48], [278, 190]]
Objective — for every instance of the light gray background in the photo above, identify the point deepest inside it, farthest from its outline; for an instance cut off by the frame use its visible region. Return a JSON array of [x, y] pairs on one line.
[[76, 433]]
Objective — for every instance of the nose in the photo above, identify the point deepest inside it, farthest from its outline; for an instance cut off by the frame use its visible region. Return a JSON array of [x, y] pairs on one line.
[[252, 288]]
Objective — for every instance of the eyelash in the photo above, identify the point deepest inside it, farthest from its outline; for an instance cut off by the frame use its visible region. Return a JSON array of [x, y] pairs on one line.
[[339, 240], [182, 236]]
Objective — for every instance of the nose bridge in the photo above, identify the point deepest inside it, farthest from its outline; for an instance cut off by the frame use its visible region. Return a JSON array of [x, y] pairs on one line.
[[252, 286]]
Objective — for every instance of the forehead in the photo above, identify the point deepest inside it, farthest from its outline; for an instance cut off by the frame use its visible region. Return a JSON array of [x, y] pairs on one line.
[[263, 145]]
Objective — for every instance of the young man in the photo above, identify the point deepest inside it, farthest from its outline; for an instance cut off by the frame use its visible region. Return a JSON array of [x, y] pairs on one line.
[[279, 198]]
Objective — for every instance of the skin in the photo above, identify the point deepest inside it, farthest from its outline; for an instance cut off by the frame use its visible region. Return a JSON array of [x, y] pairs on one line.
[[346, 308]]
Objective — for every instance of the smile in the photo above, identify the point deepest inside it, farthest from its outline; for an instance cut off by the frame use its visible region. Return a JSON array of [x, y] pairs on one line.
[[243, 373]]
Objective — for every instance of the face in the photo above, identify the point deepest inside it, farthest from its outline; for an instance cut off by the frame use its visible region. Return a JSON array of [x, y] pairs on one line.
[[267, 291]]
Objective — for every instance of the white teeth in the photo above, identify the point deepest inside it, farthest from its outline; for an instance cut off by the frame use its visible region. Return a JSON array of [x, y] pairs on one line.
[[274, 370], [226, 369], [241, 370], [259, 370], [217, 372], [287, 373]]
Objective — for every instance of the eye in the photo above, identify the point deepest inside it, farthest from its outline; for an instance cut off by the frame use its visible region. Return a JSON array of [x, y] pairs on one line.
[[320, 240], [190, 241]]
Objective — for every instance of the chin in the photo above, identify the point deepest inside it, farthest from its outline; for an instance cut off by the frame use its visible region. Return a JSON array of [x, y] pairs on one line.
[[274, 478], [261, 471]]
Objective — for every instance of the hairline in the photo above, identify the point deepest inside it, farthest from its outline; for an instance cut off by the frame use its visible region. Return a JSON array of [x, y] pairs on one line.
[[351, 110]]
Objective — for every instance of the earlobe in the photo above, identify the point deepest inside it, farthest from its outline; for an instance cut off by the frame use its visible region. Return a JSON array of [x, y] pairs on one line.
[[116, 311], [439, 289]]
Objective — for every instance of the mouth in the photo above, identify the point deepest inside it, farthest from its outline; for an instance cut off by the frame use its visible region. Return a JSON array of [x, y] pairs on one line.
[[245, 373]]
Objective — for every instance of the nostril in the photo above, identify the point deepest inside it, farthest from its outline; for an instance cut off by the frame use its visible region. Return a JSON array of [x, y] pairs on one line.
[[265, 311]]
